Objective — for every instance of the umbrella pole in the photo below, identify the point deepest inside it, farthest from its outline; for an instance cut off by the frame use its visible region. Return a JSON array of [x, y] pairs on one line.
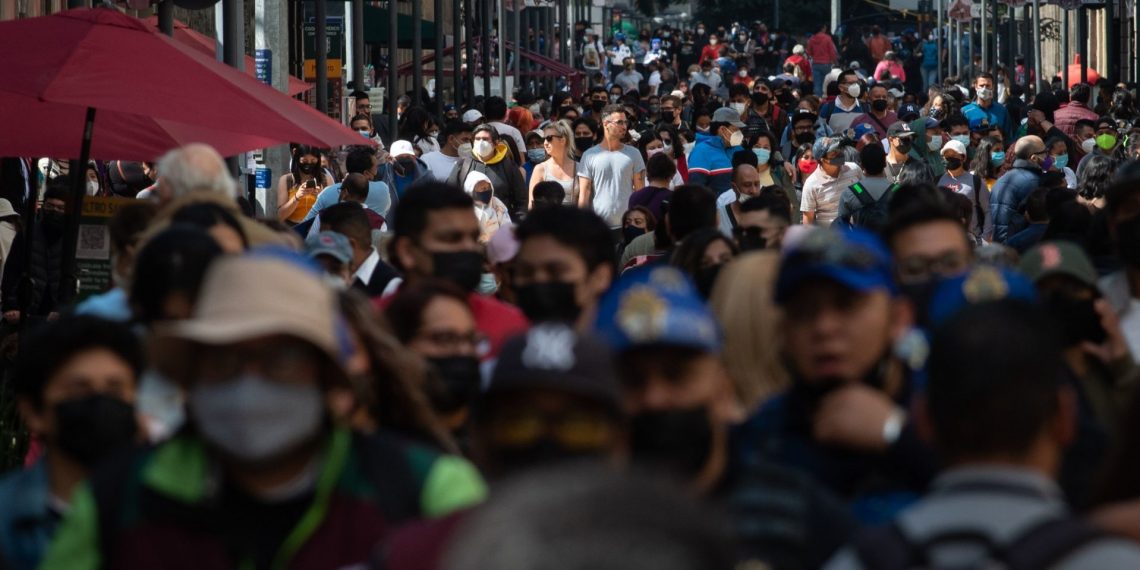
[[69, 280]]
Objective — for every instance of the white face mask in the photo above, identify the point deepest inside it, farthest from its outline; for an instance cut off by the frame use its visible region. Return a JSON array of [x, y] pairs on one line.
[[1088, 145], [464, 150], [853, 90], [985, 94], [92, 187], [738, 107], [736, 138], [483, 148], [255, 419], [934, 143]]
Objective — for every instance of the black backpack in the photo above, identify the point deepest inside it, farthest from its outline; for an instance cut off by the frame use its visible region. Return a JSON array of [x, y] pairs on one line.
[[872, 213], [1037, 548]]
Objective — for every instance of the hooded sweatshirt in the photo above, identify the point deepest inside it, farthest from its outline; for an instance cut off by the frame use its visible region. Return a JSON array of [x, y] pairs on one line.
[[504, 174], [491, 214]]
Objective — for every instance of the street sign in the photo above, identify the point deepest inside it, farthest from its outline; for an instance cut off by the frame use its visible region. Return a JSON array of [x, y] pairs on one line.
[[332, 67], [263, 65], [334, 46]]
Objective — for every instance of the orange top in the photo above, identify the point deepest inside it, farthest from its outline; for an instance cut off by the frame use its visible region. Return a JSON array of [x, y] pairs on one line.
[[304, 204]]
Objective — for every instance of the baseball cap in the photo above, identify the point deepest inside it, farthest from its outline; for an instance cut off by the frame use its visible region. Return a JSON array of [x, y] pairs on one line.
[[978, 124], [896, 92], [852, 257], [900, 129], [908, 112], [552, 356], [1105, 121], [824, 145], [930, 123], [855, 133], [981, 284], [332, 244], [656, 306], [955, 146], [798, 49], [472, 115], [1058, 258], [728, 115], [803, 115], [401, 148]]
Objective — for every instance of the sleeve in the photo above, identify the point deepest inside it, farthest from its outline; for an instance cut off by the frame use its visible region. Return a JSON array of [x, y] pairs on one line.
[[13, 272], [584, 170], [76, 542], [987, 211], [452, 484], [326, 198], [808, 201], [1000, 212], [638, 162]]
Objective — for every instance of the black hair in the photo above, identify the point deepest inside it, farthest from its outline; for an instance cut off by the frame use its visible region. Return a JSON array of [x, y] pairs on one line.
[[691, 207], [954, 120], [52, 347], [359, 160], [981, 164], [173, 262], [412, 125], [690, 253], [128, 223], [405, 314], [1080, 93], [738, 89], [581, 230], [590, 124], [206, 215], [487, 128], [914, 172], [350, 220], [771, 199], [1070, 221], [744, 156], [660, 167], [917, 204], [358, 94], [548, 193], [306, 150], [57, 188], [452, 128], [873, 159], [356, 186], [1096, 176], [494, 108], [1008, 385], [413, 209]]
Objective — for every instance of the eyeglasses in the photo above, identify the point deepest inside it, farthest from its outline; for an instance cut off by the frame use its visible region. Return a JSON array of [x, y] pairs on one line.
[[549, 138], [364, 107], [918, 268], [619, 123], [290, 362], [575, 430]]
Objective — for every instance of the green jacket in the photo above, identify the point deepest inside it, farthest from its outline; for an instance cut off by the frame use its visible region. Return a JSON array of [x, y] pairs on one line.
[[932, 158]]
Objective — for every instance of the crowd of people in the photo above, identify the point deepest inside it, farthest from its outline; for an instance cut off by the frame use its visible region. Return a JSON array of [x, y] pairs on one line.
[[738, 304]]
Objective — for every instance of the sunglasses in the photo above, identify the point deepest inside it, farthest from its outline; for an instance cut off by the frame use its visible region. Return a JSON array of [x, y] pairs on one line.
[[549, 138]]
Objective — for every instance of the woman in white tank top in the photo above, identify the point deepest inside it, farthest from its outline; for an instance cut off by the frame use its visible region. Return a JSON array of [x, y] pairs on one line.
[[560, 167]]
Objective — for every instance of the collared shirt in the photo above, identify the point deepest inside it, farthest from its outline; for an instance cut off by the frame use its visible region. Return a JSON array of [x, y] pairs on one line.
[[821, 192], [364, 272]]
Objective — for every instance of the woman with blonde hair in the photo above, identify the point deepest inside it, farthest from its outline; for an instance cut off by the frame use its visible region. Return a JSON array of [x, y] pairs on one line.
[[742, 301], [560, 166]]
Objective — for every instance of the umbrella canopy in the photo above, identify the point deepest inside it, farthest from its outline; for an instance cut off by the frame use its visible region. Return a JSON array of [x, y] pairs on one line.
[[1075, 72], [101, 59], [207, 46]]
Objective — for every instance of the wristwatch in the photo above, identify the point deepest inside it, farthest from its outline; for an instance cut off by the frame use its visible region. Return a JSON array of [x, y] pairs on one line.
[[892, 428]]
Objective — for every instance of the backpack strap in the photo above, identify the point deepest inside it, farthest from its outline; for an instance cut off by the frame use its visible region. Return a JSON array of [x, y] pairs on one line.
[[1045, 544], [862, 194], [885, 548]]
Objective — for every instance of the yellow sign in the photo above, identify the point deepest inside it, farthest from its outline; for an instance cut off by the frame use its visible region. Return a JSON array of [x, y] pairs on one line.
[[310, 69]]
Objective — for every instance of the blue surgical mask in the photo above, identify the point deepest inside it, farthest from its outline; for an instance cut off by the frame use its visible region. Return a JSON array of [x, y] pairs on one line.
[[997, 158], [762, 155], [1061, 161], [488, 285], [964, 139], [536, 155]]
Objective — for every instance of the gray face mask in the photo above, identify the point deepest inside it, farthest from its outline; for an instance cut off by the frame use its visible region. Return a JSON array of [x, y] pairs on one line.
[[254, 419]]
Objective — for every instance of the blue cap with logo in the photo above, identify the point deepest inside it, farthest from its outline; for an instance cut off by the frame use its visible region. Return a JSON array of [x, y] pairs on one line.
[[332, 244], [981, 284], [656, 306], [852, 257], [908, 112]]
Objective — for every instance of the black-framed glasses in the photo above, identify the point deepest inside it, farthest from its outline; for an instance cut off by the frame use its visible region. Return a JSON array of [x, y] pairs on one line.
[[549, 138]]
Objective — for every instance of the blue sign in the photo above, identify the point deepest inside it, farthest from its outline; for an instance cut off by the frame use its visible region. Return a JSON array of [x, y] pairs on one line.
[[263, 65], [262, 177]]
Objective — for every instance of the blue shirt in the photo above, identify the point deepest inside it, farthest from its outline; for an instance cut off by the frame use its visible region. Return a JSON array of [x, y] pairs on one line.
[[112, 305], [27, 521], [930, 54], [996, 114], [378, 200]]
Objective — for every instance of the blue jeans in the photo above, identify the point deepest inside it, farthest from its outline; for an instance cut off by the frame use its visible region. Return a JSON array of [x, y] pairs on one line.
[[819, 72], [929, 77]]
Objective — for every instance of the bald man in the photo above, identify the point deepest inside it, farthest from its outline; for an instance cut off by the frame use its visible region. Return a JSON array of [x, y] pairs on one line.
[[1014, 187], [195, 167]]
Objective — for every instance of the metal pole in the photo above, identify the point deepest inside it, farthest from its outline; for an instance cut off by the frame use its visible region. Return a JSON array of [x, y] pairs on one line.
[[1027, 19], [985, 37], [938, 30], [1065, 49], [486, 61], [69, 280], [438, 18], [1036, 46], [502, 68], [1112, 45], [393, 69], [1011, 53], [516, 24], [549, 44], [358, 43], [836, 6], [565, 33], [469, 50], [456, 57], [1083, 38], [953, 49], [77, 4], [417, 53], [322, 55], [166, 17], [992, 62], [233, 51]]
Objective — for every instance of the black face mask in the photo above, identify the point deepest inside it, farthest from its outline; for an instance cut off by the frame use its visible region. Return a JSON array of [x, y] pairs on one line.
[[921, 294], [805, 138], [308, 167], [583, 143], [953, 163], [904, 145], [630, 233], [464, 268], [879, 105], [552, 301], [93, 427], [759, 98], [751, 241], [1078, 319], [706, 279], [679, 440], [461, 379], [405, 166], [1128, 241], [597, 106], [52, 222]]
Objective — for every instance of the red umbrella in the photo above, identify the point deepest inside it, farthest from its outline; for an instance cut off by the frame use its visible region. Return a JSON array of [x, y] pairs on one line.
[[98, 58], [206, 45], [1075, 72]]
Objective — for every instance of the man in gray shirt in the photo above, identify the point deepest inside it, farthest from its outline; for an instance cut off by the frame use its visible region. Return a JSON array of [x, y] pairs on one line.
[[1000, 416], [875, 182], [610, 171]]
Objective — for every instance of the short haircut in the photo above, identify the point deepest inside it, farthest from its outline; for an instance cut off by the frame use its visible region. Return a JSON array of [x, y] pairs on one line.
[[485, 128], [405, 314], [1037, 204], [1080, 93], [348, 219], [549, 193], [360, 117], [1085, 123], [611, 109], [1007, 386], [954, 121], [914, 205], [128, 223], [578, 229], [173, 262], [57, 188], [691, 207], [452, 128], [984, 75], [846, 73], [358, 94], [771, 199], [413, 209], [745, 156], [494, 108], [359, 160], [206, 215], [873, 158], [355, 186], [660, 167], [53, 346]]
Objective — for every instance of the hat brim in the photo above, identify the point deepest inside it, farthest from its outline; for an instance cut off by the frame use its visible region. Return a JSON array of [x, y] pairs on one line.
[[858, 281]]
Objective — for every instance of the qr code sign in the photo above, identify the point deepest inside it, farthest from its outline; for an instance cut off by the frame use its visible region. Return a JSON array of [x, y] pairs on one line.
[[94, 242]]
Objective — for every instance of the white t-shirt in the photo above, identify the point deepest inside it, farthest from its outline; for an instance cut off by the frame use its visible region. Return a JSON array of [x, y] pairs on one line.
[[1130, 325], [611, 173], [821, 192], [440, 165]]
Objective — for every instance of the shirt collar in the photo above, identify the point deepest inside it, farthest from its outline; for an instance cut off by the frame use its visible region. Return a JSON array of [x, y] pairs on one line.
[[364, 272]]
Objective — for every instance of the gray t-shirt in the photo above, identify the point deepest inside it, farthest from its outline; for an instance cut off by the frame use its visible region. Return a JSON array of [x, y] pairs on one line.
[[610, 173], [849, 204], [965, 185]]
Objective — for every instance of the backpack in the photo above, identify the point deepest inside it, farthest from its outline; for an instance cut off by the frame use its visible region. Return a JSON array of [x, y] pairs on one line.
[[872, 213], [1040, 546], [590, 56]]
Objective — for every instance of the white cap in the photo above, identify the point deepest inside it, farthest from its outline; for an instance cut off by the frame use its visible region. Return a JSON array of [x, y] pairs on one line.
[[678, 93], [402, 148], [472, 115], [896, 92], [798, 49], [955, 146]]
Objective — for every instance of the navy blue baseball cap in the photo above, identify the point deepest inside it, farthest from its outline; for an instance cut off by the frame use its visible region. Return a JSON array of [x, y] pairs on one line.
[[656, 306], [981, 284], [908, 112], [852, 257]]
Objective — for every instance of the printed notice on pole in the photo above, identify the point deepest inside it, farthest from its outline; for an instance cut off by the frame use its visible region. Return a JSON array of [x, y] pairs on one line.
[[93, 250]]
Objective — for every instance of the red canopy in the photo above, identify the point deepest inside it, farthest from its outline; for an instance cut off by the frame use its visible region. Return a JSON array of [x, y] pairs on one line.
[[1075, 72], [103, 60], [206, 45]]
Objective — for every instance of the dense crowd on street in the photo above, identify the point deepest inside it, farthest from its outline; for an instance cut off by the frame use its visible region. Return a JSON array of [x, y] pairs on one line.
[[741, 299]]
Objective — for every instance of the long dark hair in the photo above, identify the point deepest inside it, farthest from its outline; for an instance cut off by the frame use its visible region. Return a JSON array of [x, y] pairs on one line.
[[306, 150], [981, 164], [414, 124]]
